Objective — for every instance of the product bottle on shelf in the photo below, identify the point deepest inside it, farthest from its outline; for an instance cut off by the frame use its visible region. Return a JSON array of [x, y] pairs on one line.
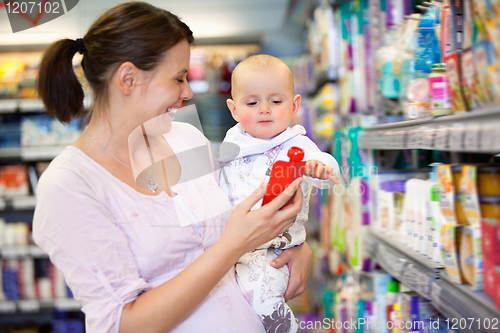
[[396, 318], [391, 298]]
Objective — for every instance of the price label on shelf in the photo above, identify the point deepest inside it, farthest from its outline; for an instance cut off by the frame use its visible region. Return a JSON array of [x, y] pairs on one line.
[[7, 307], [411, 142], [441, 136], [471, 137], [456, 137], [29, 305], [490, 136], [428, 138], [399, 139]]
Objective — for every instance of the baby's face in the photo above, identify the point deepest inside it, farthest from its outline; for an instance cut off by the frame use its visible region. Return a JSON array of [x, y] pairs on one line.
[[264, 101]]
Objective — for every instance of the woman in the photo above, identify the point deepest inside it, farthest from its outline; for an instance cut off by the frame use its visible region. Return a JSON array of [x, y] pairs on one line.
[[153, 257]]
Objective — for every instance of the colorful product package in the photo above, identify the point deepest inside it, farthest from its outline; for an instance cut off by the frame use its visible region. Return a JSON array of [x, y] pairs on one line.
[[417, 309], [469, 195], [491, 239], [484, 58], [453, 73], [468, 24], [492, 280], [451, 237], [446, 189], [469, 80], [14, 180], [471, 257]]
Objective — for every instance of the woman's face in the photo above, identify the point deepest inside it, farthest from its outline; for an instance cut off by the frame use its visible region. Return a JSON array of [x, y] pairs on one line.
[[166, 89]]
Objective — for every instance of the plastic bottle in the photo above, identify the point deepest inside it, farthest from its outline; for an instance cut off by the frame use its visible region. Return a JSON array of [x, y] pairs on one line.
[[396, 318], [391, 297], [428, 51], [439, 93], [436, 223]]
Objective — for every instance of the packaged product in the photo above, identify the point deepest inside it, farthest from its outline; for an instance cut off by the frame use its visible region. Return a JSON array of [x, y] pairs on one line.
[[448, 187], [483, 58], [417, 309], [469, 195], [469, 80], [452, 69], [434, 232], [439, 91], [492, 279], [488, 178], [451, 237], [14, 180], [491, 239], [471, 257], [490, 210]]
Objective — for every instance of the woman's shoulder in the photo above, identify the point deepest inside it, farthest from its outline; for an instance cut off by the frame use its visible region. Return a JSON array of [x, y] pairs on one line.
[[71, 166]]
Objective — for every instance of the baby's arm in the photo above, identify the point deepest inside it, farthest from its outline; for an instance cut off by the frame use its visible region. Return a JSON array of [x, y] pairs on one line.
[[321, 170]]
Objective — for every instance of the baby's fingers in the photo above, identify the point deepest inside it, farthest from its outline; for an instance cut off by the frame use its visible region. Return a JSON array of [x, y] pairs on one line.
[[310, 168], [332, 177]]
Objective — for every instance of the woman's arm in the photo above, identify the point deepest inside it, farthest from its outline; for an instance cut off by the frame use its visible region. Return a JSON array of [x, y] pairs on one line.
[[162, 308]]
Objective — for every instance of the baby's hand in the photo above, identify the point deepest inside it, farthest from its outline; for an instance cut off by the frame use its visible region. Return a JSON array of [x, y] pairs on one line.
[[318, 170]]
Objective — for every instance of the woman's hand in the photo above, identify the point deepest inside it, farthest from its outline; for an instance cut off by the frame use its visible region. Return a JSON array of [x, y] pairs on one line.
[[299, 260], [248, 229]]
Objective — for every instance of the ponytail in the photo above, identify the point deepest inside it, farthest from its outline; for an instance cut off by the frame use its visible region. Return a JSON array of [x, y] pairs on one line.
[[58, 87]]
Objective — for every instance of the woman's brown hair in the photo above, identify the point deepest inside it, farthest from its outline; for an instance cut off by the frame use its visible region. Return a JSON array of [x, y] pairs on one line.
[[134, 31]]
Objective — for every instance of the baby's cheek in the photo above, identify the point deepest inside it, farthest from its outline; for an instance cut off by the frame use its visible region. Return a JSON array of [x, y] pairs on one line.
[[246, 120]]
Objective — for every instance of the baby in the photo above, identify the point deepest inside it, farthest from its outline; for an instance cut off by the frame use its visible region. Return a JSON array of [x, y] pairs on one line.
[[263, 104]]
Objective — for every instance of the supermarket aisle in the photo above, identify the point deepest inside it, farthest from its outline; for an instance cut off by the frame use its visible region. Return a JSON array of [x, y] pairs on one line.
[[405, 96]]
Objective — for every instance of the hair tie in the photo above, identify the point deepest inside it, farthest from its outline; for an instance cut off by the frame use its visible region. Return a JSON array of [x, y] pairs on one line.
[[80, 48]]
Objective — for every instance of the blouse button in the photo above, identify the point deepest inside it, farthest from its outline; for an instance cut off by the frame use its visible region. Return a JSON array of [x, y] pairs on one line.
[[94, 269], [193, 207], [200, 246], [134, 214]]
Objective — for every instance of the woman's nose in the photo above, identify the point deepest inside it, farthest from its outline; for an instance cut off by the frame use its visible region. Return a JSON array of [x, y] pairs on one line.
[[186, 93]]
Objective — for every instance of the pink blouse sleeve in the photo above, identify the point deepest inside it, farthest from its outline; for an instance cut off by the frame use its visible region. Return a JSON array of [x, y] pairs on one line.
[[82, 239]]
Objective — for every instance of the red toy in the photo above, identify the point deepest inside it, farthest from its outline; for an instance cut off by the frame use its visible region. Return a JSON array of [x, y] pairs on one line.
[[284, 173]]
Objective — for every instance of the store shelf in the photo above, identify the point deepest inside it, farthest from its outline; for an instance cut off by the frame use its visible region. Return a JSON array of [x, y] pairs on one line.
[[25, 202], [10, 152], [34, 306], [475, 131], [31, 105], [430, 281], [329, 75], [21, 105], [32, 153], [12, 252]]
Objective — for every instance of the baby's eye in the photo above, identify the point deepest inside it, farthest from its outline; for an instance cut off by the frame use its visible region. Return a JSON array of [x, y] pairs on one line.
[[276, 102], [252, 103]]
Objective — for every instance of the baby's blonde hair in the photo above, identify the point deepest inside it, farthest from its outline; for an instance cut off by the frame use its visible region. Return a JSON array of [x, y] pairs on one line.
[[260, 62]]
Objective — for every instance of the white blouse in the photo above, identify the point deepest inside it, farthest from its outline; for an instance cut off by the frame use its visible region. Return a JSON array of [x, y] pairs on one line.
[[112, 242]]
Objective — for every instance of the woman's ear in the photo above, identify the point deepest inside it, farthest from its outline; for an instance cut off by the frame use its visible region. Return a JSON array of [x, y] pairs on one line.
[[232, 107], [127, 75], [296, 103]]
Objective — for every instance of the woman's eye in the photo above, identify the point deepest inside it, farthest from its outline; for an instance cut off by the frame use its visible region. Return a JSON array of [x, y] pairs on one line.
[[180, 80]]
